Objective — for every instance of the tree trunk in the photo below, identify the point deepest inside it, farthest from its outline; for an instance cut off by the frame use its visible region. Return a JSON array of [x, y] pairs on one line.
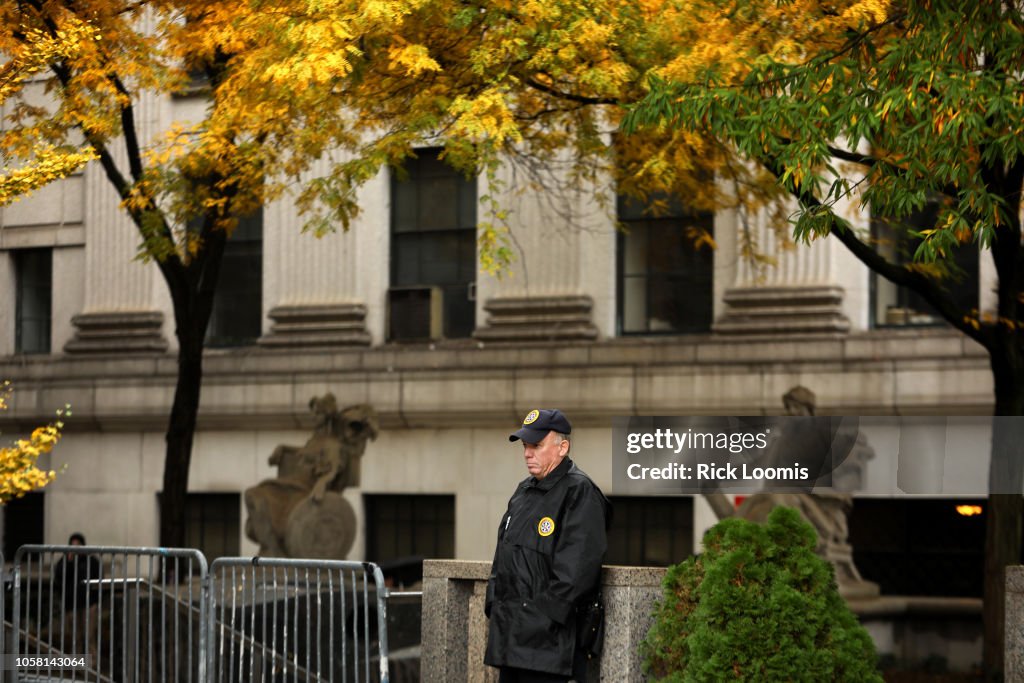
[[1003, 530], [180, 433]]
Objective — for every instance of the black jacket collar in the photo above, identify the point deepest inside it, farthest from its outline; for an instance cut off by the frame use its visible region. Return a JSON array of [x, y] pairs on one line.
[[554, 475]]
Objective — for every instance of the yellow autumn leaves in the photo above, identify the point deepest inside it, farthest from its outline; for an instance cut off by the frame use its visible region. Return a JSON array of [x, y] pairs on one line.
[[19, 473], [731, 41], [42, 164]]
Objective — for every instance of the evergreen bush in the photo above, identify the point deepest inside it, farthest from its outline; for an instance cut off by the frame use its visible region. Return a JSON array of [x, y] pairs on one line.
[[758, 605]]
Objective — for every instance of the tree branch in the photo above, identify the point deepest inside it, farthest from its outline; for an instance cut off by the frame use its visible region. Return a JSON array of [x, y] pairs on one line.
[[890, 271], [572, 97], [131, 138]]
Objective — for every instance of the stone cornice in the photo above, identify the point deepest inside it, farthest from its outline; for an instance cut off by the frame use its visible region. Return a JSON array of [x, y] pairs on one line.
[[470, 383]]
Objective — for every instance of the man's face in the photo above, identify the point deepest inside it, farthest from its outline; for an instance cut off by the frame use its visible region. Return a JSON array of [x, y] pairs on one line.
[[543, 457]]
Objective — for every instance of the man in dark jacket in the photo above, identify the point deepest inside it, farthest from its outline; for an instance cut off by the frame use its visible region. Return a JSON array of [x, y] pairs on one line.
[[547, 564]]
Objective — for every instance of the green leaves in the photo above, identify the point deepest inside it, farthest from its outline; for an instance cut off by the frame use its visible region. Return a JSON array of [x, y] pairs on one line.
[[758, 605], [888, 108]]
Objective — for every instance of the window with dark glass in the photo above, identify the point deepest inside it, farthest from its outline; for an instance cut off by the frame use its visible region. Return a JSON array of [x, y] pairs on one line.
[[893, 305], [24, 522], [212, 524], [403, 526], [433, 239], [932, 547], [238, 303], [650, 531], [665, 277], [34, 300]]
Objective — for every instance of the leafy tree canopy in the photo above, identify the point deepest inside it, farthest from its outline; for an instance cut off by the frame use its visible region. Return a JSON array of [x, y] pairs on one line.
[[895, 103]]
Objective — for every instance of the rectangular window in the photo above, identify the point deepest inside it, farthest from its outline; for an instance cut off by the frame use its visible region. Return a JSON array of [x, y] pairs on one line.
[[648, 531], [24, 522], [893, 305], [664, 281], [929, 547], [402, 526], [33, 308], [212, 524], [433, 237], [238, 304]]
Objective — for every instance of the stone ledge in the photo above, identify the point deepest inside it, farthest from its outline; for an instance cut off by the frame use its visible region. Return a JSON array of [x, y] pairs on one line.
[[42, 235], [913, 605], [479, 570], [462, 386]]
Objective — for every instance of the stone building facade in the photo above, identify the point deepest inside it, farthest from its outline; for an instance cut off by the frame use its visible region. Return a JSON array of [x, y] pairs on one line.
[[393, 313]]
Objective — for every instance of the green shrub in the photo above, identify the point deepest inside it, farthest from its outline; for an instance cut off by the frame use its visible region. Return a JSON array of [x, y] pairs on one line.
[[758, 605]]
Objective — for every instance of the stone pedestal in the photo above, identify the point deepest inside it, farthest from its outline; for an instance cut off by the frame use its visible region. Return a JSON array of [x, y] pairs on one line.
[[311, 326], [777, 310], [852, 586], [553, 318], [120, 332]]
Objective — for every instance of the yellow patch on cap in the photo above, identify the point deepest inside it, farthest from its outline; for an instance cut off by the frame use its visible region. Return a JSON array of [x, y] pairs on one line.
[[546, 526], [531, 417]]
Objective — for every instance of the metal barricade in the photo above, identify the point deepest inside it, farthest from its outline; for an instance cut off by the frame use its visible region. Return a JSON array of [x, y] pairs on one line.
[[405, 615], [297, 620], [124, 615], [134, 615]]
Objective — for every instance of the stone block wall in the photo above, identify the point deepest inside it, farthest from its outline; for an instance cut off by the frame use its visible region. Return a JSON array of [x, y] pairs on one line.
[[455, 629], [1014, 652]]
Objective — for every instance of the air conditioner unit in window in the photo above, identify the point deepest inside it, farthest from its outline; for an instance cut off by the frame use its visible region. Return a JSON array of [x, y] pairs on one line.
[[415, 313]]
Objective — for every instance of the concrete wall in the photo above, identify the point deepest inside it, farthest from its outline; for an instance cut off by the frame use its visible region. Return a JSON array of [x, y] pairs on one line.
[[454, 626], [1014, 653]]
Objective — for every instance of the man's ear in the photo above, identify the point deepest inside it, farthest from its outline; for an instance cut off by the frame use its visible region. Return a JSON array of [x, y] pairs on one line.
[[563, 448]]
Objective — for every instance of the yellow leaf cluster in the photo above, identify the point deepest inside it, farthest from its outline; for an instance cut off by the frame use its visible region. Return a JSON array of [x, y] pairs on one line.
[[39, 164], [730, 41], [18, 471], [49, 164]]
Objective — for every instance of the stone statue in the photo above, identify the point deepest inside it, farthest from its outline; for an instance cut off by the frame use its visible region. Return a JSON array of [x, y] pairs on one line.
[[842, 452], [302, 513]]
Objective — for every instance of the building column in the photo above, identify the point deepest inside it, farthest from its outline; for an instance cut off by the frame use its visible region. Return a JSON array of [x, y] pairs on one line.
[[120, 313], [801, 293], [558, 287], [307, 308]]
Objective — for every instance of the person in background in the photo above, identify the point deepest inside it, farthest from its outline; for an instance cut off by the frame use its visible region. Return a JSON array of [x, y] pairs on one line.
[[71, 574]]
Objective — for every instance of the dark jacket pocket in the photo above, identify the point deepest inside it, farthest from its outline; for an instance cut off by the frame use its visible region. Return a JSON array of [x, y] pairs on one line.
[[532, 629]]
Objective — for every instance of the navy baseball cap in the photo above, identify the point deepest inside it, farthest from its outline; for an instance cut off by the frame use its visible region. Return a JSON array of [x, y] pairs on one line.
[[538, 423]]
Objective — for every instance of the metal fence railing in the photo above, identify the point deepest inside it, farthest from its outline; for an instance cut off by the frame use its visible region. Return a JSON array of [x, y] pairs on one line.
[[110, 614], [297, 620], [134, 615]]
